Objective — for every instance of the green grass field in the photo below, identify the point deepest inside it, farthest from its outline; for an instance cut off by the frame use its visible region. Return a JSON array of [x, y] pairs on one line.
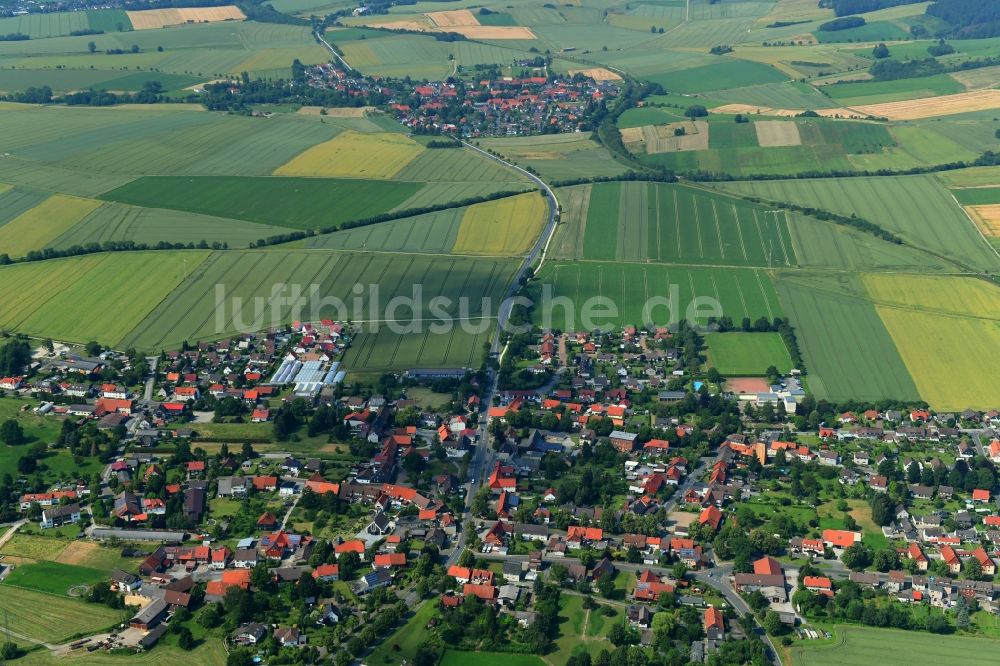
[[847, 350], [738, 353], [209, 652], [728, 73], [52, 618], [431, 232], [638, 221], [557, 156], [739, 292], [53, 577], [402, 645], [879, 31], [854, 646], [299, 203], [457, 658], [875, 92]]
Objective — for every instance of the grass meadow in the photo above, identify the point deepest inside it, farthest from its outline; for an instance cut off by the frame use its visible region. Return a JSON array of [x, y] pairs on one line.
[[53, 618], [854, 646], [748, 354], [53, 577]]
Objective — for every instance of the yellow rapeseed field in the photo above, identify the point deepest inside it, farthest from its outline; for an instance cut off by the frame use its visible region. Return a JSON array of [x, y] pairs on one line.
[[947, 330], [501, 227], [377, 155], [35, 229]]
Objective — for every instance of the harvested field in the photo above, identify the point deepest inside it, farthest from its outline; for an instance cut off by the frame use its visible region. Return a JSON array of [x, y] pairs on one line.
[[839, 112], [353, 154], [404, 25], [748, 385], [983, 77], [773, 133], [661, 138], [452, 18], [151, 19], [631, 135], [930, 107], [493, 31], [36, 228], [597, 73], [987, 218]]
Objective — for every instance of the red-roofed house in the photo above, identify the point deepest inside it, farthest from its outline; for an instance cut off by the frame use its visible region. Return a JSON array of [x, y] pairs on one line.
[[840, 538], [980, 495], [767, 566], [988, 566], [327, 572], [949, 557], [820, 584], [710, 515], [484, 592], [714, 624], [389, 560], [917, 555]]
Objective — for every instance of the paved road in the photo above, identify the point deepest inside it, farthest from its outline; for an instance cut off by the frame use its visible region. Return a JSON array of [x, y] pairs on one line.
[[147, 395]]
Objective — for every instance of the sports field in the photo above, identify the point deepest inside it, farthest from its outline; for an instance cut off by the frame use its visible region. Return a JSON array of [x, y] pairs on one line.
[[355, 155], [666, 293], [640, 221], [945, 329], [53, 577], [503, 227], [52, 618], [59, 298], [299, 203], [855, 646], [747, 354], [36, 228], [847, 350]]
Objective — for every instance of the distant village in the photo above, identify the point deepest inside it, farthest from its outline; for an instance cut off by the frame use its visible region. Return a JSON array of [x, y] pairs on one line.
[[495, 106]]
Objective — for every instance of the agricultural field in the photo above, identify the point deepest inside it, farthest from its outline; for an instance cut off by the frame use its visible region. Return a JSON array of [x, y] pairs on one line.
[[945, 329], [52, 618], [557, 156], [57, 298], [747, 354], [431, 232], [854, 646], [638, 221], [917, 208], [209, 652], [730, 73], [189, 312], [191, 54], [629, 289], [298, 203], [502, 227], [152, 19], [38, 227], [132, 142], [355, 155], [847, 350]]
